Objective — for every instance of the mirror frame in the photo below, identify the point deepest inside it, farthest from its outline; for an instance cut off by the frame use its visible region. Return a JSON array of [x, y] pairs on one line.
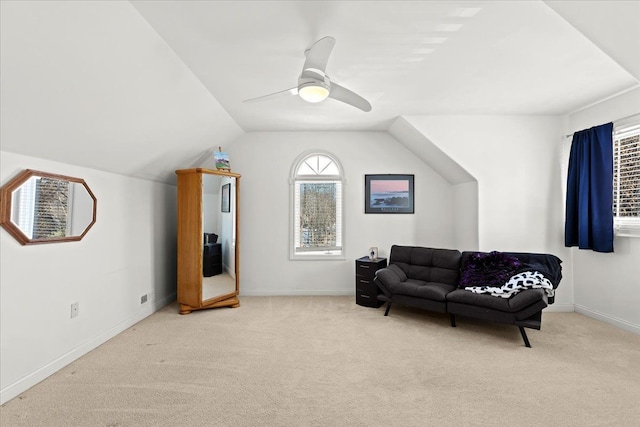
[[6, 193]]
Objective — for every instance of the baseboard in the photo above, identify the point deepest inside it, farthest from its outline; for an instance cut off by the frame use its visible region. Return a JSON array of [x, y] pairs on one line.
[[229, 271], [559, 308], [294, 292], [25, 383], [622, 324]]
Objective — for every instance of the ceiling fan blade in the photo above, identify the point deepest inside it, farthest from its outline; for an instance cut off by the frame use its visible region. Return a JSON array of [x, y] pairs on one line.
[[318, 54], [282, 93], [343, 94]]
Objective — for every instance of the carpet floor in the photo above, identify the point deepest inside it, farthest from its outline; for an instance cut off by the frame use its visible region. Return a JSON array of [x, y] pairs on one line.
[[325, 361]]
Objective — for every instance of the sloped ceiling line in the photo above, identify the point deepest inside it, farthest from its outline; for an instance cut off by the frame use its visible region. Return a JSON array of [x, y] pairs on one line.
[[428, 152], [611, 26]]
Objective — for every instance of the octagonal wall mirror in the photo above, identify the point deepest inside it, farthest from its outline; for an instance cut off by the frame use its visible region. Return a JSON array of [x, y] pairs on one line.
[[40, 207]]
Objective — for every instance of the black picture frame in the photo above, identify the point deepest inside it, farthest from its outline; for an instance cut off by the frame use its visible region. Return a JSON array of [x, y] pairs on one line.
[[389, 194], [225, 198]]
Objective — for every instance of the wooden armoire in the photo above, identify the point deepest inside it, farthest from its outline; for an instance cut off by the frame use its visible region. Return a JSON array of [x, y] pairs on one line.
[[208, 224]]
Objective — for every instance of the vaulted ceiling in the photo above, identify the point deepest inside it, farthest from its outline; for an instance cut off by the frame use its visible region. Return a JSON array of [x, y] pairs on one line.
[[405, 57], [142, 88]]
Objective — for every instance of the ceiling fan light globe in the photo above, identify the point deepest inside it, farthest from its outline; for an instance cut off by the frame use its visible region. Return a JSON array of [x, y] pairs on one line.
[[313, 92]]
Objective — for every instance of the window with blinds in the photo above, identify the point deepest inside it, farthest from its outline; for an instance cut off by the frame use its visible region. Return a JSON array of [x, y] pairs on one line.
[[626, 178], [317, 207]]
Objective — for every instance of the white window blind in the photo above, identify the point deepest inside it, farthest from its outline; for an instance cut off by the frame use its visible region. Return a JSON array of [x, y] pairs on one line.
[[318, 223], [626, 179], [41, 208], [317, 208]]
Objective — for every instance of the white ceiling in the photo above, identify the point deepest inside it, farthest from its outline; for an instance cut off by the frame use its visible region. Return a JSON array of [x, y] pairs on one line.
[[143, 88], [405, 57]]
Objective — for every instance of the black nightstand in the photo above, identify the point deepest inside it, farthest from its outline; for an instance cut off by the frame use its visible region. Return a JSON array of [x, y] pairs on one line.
[[367, 291], [211, 259]]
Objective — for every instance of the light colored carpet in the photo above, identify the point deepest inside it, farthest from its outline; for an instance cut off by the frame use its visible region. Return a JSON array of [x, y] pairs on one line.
[[325, 361]]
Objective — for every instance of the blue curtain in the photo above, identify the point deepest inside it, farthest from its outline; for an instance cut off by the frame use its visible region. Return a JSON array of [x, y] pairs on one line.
[[589, 214]]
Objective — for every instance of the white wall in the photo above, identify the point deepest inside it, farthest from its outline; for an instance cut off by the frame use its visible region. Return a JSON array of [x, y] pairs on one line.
[[265, 160], [465, 216], [211, 217], [607, 286], [515, 160], [129, 252]]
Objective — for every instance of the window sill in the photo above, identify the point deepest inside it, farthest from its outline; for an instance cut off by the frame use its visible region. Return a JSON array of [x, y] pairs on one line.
[[627, 230], [627, 233], [318, 257]]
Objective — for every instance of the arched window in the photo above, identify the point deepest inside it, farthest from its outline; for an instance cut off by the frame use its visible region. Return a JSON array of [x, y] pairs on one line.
[[316, 196]]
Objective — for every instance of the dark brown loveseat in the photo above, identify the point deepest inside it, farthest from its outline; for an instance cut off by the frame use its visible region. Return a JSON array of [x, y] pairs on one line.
[[430, 279]]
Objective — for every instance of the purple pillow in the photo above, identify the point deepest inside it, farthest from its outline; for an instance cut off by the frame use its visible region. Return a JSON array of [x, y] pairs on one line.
[[488, 269]]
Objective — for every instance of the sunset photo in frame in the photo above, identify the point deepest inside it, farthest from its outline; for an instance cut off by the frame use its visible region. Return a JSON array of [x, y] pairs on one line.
[[389, 193]]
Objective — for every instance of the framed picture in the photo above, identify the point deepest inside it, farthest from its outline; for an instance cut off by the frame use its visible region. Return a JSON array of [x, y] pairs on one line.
[[222, 160], [391, 194], [226, 193], [373, 253]]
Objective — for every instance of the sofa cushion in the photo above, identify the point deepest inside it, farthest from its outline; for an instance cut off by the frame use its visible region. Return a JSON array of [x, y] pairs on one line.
[[426, 290], [427, 264], [509, 305], [488, 269], [396, 269]]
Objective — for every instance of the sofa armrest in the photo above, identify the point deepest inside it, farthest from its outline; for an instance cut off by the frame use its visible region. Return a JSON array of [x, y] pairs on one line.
[[387, 278]]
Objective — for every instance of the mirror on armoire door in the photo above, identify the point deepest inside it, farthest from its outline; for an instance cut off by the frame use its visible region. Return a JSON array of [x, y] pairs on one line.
[[207, 239], [218, 211]]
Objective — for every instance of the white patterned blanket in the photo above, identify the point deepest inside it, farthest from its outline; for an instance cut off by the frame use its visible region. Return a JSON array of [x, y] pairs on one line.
[[517, 283]]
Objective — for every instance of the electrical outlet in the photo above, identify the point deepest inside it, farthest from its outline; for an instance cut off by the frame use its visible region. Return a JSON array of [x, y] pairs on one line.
[[75, 309], [144, 298]]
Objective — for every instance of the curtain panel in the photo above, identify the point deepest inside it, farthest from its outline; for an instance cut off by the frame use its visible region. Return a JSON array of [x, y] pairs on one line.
[[589, 213]]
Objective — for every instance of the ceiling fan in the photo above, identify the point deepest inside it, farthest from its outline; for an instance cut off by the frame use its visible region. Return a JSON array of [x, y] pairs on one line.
[[314, 84]]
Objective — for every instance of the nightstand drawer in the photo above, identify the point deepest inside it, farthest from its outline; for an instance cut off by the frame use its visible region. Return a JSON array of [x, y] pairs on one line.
[[367, 287], [366, 269], [364, 281], [367, 300]]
